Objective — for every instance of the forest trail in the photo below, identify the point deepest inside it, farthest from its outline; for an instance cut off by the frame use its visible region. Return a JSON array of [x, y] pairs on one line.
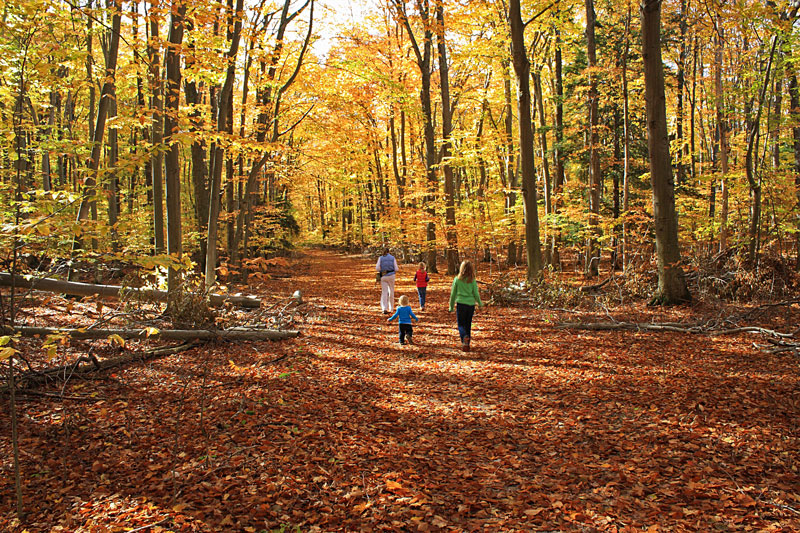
[[343, 429]]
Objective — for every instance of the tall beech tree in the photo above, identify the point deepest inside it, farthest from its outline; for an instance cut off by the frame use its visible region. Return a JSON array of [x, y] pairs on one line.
[[522, 69], [423, 57], [671, 282], [172, 60], [224, 124], [106, 96], [157, 159], [592, 248], [447, 128]]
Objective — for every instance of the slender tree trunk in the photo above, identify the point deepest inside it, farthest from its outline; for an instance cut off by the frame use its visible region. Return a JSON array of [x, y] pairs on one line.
[[113, 176], [794, 102], [522, 70], [241, 198], [512, 176], [223, 119], [775, 130], [172, 60], [681, 79], [722, 135], [558, 149], [548, 193], [106, 97], [626, 142], [671, 282], [423, 57], [753, 125], [157, 159], [593, 249], [198, 150], [447, 126], [483, 181], [692, 147]]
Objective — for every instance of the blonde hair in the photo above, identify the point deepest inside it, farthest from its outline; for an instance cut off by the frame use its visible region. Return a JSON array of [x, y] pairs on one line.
[[467, 272], [422, 266], [403, 300]]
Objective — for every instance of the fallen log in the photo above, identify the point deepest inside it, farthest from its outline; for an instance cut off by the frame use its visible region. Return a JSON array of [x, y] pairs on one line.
[[672, 327], [92, 364], [75, 288], [169, 334]]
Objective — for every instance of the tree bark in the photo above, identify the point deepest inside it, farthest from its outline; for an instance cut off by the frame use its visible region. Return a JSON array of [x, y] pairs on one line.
[[447, 127], [593, 250], [548, 192], [106, 96], [794, 97], [224, 123], [172, 60], [558, 148], [671, 282], [722, 139], [522, 69], [423, 57], [199, 165], [681, 79], [157, 159], [509, 166], [626, 143], [753, 125]]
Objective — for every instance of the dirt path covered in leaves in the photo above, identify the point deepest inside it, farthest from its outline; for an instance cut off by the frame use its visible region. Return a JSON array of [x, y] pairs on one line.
[[343, 429]]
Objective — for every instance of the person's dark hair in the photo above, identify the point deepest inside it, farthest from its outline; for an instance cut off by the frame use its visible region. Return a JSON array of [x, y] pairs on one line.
[[467, 272], [385, 251]]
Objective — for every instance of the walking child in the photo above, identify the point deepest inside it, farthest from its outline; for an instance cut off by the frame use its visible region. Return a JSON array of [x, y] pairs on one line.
[[422, 278], [404, 314], [464, 296]]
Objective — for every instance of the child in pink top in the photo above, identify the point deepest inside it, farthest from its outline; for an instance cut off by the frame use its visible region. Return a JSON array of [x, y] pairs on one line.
[[422, 278]]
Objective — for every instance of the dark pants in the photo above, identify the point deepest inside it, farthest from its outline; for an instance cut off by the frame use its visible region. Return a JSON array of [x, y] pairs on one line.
[[405, 330], [464, 315], [421, 292]]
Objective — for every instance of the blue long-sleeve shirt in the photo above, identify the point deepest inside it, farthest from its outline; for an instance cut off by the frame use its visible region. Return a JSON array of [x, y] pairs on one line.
[[404, 314]]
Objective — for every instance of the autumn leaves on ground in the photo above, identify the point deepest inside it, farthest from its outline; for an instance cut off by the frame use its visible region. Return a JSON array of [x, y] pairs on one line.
[[538, 428]]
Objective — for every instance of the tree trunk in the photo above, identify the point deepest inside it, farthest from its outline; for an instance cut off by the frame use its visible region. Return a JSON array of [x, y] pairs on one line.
[[558, 149], [106, 97], [548, 193], [224, 123], [424, 64], [512, 177], [156, 162], [447, 127], [199, 166], [113, 176], [671, 282], [172, 60], [626, 143], [593, 249], [794, 97], [753, 125], [681, 79], [722, 138], [522, 70]]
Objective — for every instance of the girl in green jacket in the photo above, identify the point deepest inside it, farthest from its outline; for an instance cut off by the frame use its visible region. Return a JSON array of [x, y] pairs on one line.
[[464, 296]]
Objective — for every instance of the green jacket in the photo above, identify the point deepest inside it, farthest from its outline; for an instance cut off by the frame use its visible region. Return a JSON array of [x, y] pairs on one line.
[[464, 293]]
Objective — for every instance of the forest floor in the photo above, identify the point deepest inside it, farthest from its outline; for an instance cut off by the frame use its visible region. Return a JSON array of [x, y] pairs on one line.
[[538, 428]]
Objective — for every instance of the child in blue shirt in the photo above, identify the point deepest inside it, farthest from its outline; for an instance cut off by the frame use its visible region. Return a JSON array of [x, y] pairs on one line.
[[404, 314]]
